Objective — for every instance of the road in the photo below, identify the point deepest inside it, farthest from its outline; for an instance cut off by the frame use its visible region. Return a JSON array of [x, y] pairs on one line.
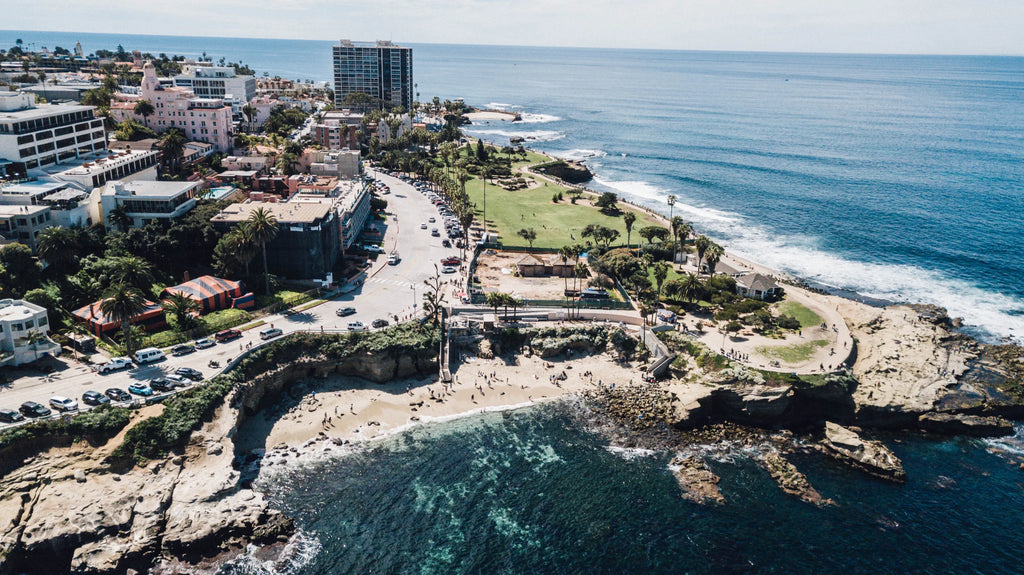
[[386, 291]]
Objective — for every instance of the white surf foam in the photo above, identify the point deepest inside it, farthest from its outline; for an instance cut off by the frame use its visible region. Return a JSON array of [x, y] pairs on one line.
[[533, 136], [528, 118], [500, 106], [579, 154], [630, 453], [985, 312]]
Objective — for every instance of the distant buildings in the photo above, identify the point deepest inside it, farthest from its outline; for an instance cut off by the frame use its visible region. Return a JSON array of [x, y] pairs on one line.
[[338, 129], [383, 70], [344, 164], [216, 82], [32, 136], [19, 320], [203, 119]]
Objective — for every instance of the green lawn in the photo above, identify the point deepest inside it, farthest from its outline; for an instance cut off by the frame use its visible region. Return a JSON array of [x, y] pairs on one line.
[[556, 224], [805, 316], [792, 353], [263, 301]]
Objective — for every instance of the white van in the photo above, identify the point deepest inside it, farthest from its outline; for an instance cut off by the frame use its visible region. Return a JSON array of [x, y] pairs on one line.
[[148, 355], [270, 333]]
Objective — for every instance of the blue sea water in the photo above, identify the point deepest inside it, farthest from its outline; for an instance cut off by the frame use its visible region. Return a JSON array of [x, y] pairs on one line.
[[897, 177], [537, 491]]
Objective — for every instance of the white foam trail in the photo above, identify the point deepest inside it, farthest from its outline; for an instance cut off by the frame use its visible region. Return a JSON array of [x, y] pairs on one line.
[[534, 136], [579, 154], [986, 313], [630, 453], [528, 118], [500, 106]]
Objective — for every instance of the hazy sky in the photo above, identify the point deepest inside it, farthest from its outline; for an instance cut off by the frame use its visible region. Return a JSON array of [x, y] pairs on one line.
[[887, 26]]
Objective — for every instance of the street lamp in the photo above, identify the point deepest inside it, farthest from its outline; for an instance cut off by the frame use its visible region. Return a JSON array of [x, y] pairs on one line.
[[413, 288]]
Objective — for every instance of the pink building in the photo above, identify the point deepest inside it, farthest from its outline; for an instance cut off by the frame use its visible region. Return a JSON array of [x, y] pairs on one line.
[[201, 119]]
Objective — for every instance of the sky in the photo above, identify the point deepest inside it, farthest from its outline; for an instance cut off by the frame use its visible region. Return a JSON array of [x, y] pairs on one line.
[[860, 26]]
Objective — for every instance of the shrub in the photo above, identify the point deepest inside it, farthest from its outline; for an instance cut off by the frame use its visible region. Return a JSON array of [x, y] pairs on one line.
[[788, 322]]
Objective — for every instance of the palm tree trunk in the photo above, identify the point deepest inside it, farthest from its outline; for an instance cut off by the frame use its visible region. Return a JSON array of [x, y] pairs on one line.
[[266, 272], [126, 327]]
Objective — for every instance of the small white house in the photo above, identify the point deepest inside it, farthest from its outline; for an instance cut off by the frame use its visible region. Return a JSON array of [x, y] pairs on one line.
[[757, 286], [18, 321]]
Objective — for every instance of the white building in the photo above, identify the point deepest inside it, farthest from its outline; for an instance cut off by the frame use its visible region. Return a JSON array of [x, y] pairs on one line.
[[69, 205], [19, 319], [344, 164], [22, 224], [103, 167], [144, 201], [32, 136], [216, 82], [244, 163]]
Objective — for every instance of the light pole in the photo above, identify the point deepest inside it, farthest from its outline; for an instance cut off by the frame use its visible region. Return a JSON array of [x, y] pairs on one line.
[[413, 288]]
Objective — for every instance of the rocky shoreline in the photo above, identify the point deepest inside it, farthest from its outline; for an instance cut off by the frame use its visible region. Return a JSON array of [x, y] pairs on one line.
[[74, 508]]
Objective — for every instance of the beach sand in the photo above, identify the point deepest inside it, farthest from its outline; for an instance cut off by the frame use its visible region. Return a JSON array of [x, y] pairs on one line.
[[490, 115], [350, 409]]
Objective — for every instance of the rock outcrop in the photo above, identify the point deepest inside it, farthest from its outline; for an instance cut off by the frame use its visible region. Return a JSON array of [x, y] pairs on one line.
[[698, 483], [973, 425], [791, 480], [870, 456], [572, 172]]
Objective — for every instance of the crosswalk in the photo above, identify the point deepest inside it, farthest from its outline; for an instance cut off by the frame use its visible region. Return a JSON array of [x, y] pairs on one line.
[[389, 282]]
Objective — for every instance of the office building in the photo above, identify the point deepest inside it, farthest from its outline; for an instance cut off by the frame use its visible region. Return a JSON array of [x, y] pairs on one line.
[[382, 70], [144, 201], [32, 136]]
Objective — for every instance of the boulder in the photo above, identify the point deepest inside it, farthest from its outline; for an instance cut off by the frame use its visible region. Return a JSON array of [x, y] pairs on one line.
[[698, 483], [869, 456]]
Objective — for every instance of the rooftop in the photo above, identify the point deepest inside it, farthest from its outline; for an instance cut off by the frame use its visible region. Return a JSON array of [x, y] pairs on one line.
[[9, 211], [43, 111], [98, 162], [286, 213], [14, 309], [149, 188], [32, 188]]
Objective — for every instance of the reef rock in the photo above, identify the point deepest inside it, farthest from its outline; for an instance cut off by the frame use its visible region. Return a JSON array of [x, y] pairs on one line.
[[973, 425], [870, 456], [791, 480], [698, 483]]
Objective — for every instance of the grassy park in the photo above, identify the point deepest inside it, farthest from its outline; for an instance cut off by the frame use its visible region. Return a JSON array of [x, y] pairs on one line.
[[556, 224]]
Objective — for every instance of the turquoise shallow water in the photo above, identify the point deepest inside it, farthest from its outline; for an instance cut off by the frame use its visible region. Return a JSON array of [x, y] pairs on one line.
[[898, 177], [537, 492]]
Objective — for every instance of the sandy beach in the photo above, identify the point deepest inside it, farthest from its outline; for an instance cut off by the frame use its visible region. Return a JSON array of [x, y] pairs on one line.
[[490, 115], [350, 409]]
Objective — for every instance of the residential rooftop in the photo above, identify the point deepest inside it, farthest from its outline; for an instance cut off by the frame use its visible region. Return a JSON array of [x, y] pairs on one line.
[[149, 188], [15, 309], [43, 111], [285, 212]]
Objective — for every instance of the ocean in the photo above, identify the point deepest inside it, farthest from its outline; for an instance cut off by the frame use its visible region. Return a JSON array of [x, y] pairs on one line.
[[895, 177], [898, 178]]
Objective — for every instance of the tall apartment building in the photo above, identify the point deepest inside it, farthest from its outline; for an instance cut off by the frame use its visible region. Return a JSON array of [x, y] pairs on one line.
[[382, 70], [337, 130], [33, 136]]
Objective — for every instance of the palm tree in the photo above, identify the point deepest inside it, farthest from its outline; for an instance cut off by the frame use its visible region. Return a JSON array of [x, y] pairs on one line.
[[713, 255], [671, 205], [59, 247], [677, 224], [183, 308], [122, 303], [145, 109], [565, 253], [133, 271], [172, 146], [628, 218], [690, 288], [243, 245], [484, 173], [702, 243], [579, 272], [120, 219], [495, 300], [33, 338], [263, 228], [660, 273]]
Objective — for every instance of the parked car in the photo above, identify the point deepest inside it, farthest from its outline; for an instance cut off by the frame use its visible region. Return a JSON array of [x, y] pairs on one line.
[[357, 326], [148, 355], [115, 364], [140, 389], [451, 261], [205, 343], [178, 380], [342, 312], [227, 335], [448, 270], [94, 398], [447, 243], [117, 394], [270, 333], [10, 416], [431, 219], [193, 374], [160, 384], [183, 349], [379, 323], [33, 409], [423, 226], [61, 403], [373, 249]]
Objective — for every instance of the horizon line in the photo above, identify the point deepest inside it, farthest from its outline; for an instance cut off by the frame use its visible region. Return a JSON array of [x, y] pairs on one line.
[[704, 50]]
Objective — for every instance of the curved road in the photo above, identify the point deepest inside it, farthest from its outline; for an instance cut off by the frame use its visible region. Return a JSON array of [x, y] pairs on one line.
[[386, 291]]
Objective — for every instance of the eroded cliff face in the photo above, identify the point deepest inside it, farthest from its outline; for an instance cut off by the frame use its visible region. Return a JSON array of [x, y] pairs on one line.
[[69, 509]]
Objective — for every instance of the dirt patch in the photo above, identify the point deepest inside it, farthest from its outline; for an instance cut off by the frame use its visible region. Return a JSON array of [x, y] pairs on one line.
[[497, 273]]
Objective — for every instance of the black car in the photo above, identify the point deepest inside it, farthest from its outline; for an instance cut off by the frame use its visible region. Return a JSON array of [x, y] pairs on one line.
[[33, 409], [183, 349], [161, 384], [117, 394], [193, 374], [380, 323], [94, 398], [10, 416]]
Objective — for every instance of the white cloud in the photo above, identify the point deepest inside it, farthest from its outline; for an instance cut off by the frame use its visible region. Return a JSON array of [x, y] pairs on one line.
[[902, 26]]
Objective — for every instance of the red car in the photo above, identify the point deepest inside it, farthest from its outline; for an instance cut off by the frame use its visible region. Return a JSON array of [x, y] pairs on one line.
[[451, 261]]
